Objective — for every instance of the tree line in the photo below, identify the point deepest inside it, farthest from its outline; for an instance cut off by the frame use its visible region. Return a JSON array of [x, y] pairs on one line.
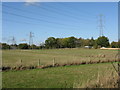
[[69, 42]]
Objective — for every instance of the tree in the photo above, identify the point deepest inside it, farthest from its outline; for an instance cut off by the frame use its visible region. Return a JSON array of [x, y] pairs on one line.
[[64, 42], [0, 46], [71, 42], [50, 42], [42, 45], [102, 41], [23, 46], [13, 46], [78, 43], [5, 46], [59, 43], [33, 46], [81, 42], [86, 42], [91, 42], [114, 45]]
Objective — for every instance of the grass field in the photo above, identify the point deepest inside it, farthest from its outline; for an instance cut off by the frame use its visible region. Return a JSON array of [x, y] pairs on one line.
[[59, 77], [31, 57]]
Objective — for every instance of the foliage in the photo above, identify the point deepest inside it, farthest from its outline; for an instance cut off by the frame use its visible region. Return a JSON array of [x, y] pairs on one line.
[[5, 46], [102, 41], [114, 45], [68, 42], [13, 46], [23, 46], [33, 47], [50, 42]]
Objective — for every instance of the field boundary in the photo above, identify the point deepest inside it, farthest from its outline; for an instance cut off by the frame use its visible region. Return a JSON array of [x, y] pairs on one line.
[[21, 67]]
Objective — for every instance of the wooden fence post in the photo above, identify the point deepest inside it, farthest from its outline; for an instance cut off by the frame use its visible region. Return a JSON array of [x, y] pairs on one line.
[[53, 62], [39, 62], [21, 61], [99, 59], [90, 59]]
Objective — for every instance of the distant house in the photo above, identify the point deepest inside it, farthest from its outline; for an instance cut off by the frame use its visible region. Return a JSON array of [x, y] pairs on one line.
[[89, 47]]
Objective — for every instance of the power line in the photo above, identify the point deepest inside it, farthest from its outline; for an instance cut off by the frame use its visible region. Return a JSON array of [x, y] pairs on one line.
[[26, 11], [69, 11], [27, 23], [15, 21], [37, 19], [70, 7], [31, 12], [56, 11]]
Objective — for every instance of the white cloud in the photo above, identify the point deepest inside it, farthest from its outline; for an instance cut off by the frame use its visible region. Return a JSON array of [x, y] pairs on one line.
[[29, 2]]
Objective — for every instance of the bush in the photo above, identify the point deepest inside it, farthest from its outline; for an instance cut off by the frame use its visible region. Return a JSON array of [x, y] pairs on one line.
[[23, 46]]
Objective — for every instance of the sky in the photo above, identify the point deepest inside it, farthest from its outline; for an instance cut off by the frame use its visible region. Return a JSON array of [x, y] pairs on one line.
[[58, 19]]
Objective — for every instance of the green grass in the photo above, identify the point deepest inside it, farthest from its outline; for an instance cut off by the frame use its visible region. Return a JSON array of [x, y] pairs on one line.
[[59, 77], [31, 57]]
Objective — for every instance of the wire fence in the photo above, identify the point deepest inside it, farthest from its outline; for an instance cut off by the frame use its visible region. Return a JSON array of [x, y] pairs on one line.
[[38, 62]]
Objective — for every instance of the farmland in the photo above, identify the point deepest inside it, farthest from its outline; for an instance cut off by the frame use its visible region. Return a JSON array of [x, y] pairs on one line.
[[58, 77], [31, 57], [51, 44]]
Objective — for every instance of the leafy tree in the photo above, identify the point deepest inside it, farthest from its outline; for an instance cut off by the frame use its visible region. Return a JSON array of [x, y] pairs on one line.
[[33, 46], [95, 46], [42, 45], [102, 41], [64, 42], [86, 42], [50, 42], [91, 42], [59, 43], [5, 46], [81, 42], [23, 46], [114, 45], [78, 43], [118, 43], [13, 46], [0, 45], [71, 42]]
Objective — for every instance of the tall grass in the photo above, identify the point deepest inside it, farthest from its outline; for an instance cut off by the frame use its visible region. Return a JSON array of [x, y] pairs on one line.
[[106, 79], [62, 56]]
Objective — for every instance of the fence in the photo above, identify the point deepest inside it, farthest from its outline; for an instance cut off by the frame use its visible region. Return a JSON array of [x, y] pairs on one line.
[[101, 58]]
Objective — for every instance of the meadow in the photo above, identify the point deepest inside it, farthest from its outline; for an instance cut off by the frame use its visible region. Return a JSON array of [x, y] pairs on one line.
[[80, 76], [32, 57]]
